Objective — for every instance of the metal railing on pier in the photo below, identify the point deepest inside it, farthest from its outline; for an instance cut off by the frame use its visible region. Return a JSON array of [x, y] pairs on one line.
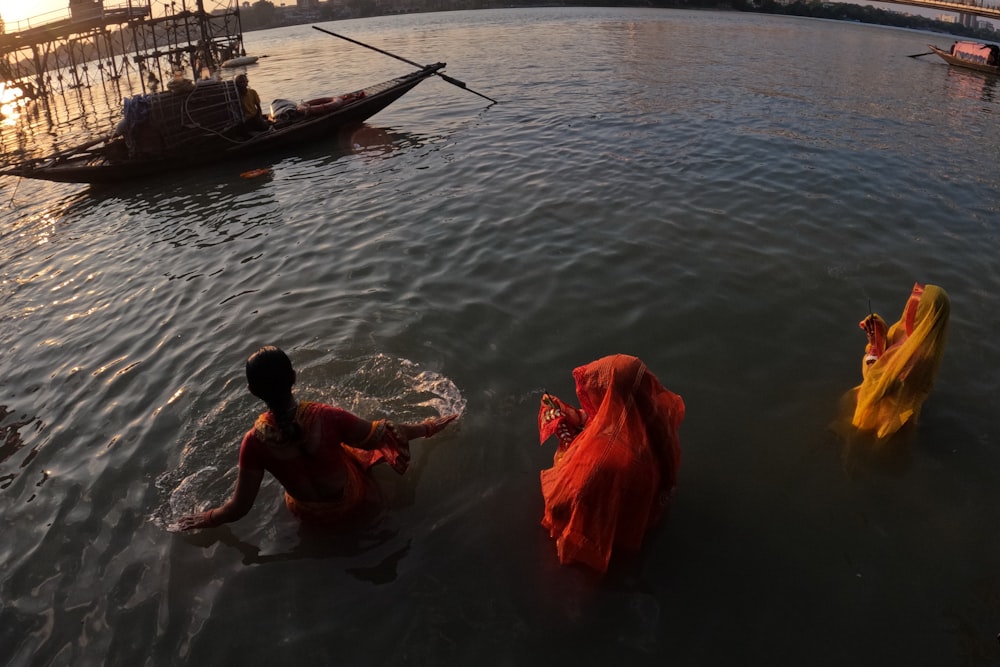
[[52, 63]]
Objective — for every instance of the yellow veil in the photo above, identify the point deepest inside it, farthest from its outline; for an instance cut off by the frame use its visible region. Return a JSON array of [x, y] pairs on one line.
[[899, 370]]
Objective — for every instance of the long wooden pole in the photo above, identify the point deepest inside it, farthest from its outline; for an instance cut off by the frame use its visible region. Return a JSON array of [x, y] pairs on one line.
[[455, 82]]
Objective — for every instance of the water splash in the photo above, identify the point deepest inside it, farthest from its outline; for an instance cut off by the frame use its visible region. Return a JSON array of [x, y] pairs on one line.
[[188, 496], [371, 386]]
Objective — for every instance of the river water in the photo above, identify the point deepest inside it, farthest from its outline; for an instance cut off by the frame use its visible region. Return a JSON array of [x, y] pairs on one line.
[[720, 194]]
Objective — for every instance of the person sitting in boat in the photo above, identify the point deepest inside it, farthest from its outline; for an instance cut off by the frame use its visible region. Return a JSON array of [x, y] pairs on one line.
[[180, 84], [253, 116], [900, 363], [320, 454], [616, 464]]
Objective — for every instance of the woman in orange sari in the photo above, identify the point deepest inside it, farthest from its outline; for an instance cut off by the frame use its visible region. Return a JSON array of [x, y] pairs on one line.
[[319, 453], [901, 362], [616, 462]]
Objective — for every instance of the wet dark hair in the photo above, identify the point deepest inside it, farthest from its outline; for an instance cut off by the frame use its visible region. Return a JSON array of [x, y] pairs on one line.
[[270, 377]]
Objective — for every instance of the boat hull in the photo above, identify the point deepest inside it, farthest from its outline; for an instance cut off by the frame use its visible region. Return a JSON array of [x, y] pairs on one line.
[[242, 61], [959, 62], [91, 167]]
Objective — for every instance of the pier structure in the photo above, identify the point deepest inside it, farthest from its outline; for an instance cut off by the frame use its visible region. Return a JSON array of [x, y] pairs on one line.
[[143, 42]]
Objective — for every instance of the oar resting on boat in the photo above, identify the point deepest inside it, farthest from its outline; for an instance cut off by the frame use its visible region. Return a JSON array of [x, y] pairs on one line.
[[453, 81]]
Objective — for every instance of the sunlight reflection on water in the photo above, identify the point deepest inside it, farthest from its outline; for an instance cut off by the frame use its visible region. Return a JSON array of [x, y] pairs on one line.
[[726, 218]]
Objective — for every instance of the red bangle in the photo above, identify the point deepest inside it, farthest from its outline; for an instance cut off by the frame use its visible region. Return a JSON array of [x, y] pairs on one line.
[[208, 518]]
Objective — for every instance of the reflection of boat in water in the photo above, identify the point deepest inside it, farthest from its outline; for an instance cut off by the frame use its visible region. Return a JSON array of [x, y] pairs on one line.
[[971, 55], [970, 85], [167, 132]]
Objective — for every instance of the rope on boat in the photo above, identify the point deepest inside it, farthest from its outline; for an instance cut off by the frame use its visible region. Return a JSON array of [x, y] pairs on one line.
[[227, 104]]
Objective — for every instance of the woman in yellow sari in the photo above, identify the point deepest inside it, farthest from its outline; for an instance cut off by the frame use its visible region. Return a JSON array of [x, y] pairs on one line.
[[901, 362]]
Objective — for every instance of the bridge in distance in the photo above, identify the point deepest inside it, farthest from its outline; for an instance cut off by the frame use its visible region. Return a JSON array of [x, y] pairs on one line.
[[976, 8]]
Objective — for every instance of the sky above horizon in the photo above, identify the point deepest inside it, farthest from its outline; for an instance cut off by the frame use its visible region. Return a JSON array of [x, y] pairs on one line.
[[13, 11]]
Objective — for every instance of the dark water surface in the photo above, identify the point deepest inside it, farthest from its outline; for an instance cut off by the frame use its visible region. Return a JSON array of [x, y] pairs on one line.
[[719, 194]]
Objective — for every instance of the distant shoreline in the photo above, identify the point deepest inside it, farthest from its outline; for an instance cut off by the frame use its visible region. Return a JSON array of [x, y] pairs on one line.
[[264, 15]]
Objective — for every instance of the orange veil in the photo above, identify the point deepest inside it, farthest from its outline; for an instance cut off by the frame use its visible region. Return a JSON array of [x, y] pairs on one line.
[[617, 462], [900, 363]]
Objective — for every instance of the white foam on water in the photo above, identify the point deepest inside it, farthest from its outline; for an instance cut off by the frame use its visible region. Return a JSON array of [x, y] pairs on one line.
[[374, 386]]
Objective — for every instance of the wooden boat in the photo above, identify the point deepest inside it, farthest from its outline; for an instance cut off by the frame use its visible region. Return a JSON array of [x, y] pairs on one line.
[[971, 55], [240, 61], [165, 132]]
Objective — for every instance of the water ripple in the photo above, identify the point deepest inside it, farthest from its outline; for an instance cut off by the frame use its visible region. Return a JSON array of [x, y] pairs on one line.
[[727, 218]]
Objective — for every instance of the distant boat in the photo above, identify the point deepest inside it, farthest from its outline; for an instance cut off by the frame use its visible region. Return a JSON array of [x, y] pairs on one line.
[[170, 132], [971, 55], [240, 61]]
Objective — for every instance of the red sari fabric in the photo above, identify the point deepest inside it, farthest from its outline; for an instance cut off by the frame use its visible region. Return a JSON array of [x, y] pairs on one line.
[[359, 492], [613, 475], [332, 463]]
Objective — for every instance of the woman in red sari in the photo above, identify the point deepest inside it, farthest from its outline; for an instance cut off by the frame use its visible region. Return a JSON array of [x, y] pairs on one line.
[[319, 453], [616, 463]]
